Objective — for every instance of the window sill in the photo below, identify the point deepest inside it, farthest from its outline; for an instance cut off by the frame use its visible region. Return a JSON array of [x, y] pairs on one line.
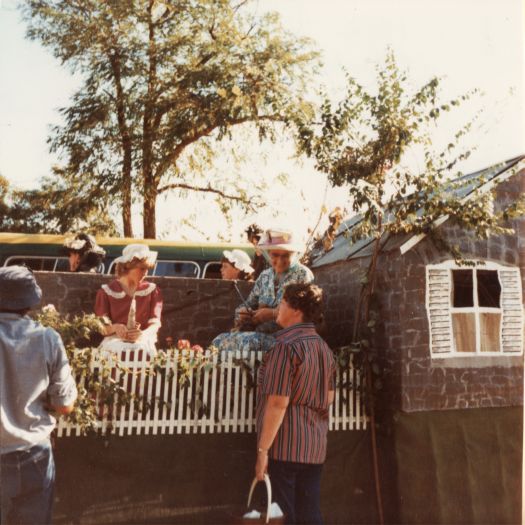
[[478, 361]]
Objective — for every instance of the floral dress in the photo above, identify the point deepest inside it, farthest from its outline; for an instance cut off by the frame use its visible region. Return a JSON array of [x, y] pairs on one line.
[[267, 292]]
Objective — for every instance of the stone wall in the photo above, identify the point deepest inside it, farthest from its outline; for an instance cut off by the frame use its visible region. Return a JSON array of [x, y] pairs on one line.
[[194, 309], [412, 380]]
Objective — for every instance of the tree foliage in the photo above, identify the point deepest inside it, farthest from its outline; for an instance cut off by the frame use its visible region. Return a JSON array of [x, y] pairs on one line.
[[363, 143], [161, 79], [55, 207]]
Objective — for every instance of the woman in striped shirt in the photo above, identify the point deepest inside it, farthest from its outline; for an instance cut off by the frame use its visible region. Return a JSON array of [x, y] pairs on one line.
[[296, 386]]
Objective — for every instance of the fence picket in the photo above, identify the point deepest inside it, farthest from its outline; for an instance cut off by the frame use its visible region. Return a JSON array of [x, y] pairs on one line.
[[213, 396], [172, 386]]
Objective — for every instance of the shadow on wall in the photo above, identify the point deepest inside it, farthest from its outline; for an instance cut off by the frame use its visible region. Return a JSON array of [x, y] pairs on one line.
[[194, 309]]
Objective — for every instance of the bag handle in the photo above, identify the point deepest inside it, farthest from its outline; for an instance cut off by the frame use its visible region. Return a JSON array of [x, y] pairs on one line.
[[268, 492]]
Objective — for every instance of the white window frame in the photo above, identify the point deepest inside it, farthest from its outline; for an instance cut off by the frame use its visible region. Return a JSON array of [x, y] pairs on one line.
[[439, 309]]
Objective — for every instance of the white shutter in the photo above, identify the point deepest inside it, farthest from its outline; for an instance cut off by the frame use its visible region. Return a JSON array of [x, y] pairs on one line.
[[512, 310], [438, 308]]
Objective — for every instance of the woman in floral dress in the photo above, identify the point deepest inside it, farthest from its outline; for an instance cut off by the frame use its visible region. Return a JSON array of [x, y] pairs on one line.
[[255, 318]]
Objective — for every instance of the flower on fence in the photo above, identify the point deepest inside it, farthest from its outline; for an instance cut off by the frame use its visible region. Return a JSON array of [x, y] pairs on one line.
[[49, 308], [197, 348], [183, 344]]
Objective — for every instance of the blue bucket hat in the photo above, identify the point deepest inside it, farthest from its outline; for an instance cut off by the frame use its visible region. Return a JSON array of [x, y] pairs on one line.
[[18, 288]]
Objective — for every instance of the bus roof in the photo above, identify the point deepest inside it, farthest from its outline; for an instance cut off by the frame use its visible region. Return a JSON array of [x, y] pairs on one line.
[[46, 244]]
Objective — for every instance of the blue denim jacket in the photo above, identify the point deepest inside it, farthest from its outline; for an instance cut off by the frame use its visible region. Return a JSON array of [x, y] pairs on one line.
[[34, 373]]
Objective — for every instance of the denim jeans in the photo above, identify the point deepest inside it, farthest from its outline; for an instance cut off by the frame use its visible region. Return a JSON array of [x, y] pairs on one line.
[[296, 487], [28, 478]]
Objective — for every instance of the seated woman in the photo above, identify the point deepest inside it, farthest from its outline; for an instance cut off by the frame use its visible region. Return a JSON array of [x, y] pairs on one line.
[[235, 265], [83, 252], [255, 319], [132, 305]]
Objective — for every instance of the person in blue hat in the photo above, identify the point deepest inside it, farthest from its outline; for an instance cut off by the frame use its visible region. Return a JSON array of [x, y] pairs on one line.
[[35, 384]]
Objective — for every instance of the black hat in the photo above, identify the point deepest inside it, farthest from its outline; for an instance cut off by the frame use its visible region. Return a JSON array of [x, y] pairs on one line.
[[91, 254], [254, 231]]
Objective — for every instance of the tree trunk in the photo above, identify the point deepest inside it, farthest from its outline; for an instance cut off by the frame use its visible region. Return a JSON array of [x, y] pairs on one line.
[[148, 179], [149, 218], [126, 193], [126, 144]]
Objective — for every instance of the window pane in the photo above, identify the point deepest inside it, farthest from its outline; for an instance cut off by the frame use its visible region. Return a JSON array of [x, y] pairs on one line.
[[176, 269], [462, 291], [213, 271], [62, 265], [464, 327], [489, 332], [489, 289], [36, 264]]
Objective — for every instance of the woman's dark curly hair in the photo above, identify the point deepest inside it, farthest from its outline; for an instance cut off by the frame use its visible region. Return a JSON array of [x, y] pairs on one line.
[[306, 297]]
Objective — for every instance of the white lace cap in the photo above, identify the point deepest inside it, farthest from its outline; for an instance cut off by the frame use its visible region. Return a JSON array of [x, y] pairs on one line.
[[137, 251], [241, 260]]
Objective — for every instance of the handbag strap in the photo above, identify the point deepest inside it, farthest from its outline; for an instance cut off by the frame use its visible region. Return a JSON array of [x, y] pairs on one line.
[[268, 492]]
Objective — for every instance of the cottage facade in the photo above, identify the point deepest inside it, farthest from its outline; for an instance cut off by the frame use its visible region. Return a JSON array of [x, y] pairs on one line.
[[450, 340]]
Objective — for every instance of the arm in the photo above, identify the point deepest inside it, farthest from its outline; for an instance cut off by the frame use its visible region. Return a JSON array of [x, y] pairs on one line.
[[261, 315], [252, 300], [62, 390], [331, 396], [276, 386], [63, 410], [274, 411], [102, 309]]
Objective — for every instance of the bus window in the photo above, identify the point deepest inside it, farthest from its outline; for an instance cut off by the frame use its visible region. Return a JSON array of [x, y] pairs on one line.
[[62, 265], [212, 270], [46, 264], [177, 269]]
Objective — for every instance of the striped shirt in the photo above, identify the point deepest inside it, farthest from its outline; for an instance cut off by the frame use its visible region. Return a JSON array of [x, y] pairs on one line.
[[300, 366]]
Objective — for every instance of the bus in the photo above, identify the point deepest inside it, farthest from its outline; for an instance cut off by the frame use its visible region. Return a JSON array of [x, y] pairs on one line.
[[174, 259]]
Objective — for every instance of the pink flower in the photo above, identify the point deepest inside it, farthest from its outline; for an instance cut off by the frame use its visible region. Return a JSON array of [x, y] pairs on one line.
[[183, 344], [197, 348]]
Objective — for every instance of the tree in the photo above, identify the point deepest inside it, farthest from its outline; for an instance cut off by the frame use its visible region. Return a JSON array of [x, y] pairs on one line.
[[161, 79], [53, 208], [364, 143]]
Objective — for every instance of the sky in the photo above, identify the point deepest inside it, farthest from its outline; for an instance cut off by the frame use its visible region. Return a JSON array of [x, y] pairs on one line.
[[470, 43]]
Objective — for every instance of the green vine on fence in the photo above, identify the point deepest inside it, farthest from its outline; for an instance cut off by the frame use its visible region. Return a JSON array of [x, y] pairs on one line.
[[97, 386], [99, 374]]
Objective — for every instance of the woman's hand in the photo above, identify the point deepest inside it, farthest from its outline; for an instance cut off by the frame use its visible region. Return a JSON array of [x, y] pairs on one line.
[[118, 329], [133, 334], [261, 465], [244, 316], [262, 315]]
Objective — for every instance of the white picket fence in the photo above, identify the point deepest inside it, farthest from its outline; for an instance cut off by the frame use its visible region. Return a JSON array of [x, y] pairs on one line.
[[214, 400]]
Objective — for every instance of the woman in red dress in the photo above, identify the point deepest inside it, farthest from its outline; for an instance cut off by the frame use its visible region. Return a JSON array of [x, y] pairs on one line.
[[133, 305]]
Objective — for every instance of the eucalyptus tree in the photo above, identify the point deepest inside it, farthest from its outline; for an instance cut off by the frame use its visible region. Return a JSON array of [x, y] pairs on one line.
[[161, 80]]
